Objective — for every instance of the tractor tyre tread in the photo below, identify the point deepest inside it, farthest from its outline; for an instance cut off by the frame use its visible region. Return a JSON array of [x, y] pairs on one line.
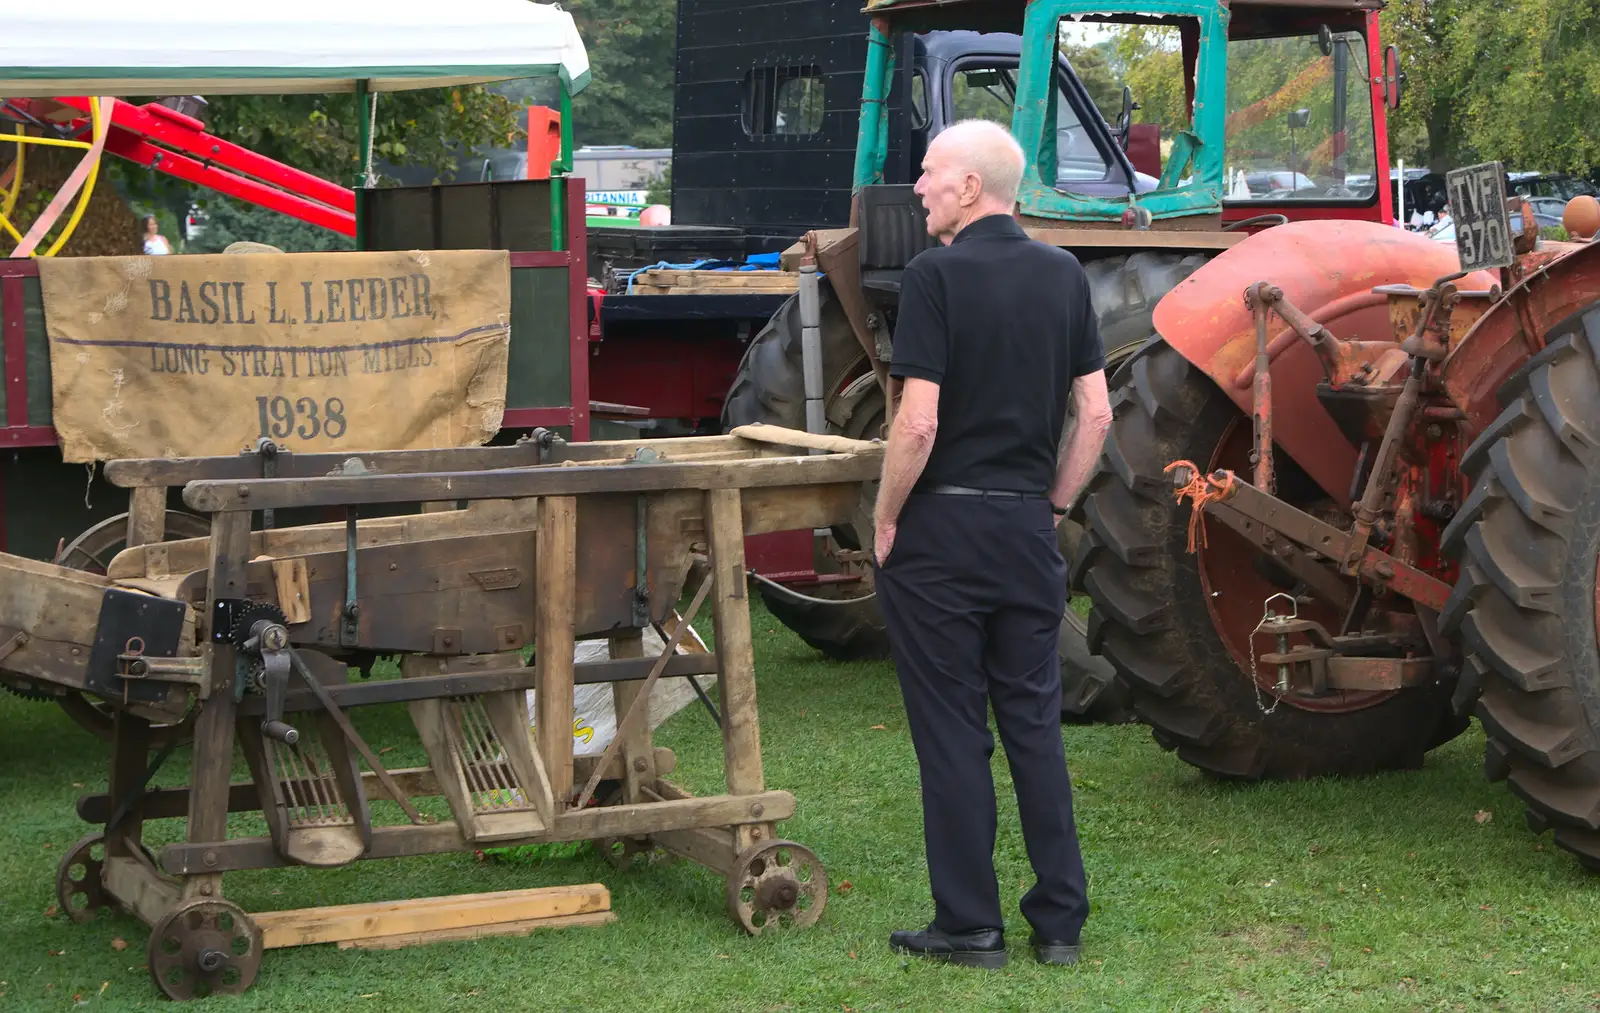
[[1524, 607]]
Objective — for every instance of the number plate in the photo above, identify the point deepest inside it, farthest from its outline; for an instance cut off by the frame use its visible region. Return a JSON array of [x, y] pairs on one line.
[[1483, 225]]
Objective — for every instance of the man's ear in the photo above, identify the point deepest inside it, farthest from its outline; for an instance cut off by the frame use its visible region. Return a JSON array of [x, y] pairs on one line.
[[971, 188]]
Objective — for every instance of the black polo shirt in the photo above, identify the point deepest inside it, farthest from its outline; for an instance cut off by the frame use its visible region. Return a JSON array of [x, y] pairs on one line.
[[1002, 324]]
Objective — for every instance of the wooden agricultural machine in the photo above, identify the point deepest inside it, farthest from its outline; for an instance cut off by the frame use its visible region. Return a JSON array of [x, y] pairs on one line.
[[253, 634]]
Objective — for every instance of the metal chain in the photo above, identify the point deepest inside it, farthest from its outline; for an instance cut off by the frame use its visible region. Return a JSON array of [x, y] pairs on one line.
[[1267, 615]]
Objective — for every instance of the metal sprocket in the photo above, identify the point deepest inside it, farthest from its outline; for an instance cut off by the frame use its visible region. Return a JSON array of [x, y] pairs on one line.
[[252, 614], [26, 692]]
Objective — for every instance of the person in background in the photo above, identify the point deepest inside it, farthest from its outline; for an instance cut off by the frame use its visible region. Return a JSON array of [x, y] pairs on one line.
[[995, 330], [155, 244]]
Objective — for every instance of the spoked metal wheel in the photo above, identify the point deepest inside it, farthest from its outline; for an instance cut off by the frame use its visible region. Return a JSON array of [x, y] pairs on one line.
[[78, 889], [624, 853], [776, 885], [204, 948], [92, 552]]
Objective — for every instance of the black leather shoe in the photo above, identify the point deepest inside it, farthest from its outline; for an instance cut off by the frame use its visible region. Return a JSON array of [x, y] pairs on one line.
[[1051, 951], [984, 948]]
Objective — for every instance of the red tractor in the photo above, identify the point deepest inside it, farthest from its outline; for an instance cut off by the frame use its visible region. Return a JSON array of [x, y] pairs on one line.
[[1351, 496]]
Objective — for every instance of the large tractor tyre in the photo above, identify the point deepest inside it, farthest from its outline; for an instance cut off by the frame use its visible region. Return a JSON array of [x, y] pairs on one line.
[[93, 551], [1177, 627], [1125, 291], [1525, 609], [1091, 693]]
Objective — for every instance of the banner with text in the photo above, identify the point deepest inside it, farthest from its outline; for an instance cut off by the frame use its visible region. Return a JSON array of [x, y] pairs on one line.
[[201, 356]]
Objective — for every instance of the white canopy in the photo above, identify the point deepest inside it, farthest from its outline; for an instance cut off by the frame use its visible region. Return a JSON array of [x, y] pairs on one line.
[[200, 47]]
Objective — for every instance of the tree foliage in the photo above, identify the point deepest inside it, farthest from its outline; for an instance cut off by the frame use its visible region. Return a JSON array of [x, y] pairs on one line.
[[230, 221], [1529, 80], [321, 133], [1513, 80], [1093, 67], [1151, 63], [629, 97]]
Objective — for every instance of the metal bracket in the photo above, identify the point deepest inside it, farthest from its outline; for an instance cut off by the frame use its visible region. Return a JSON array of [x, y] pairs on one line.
[[881, 338], [350, 616], [134, 623], [135, 665], [224, 614], [641, 549], [544, 440], [1315, 535], [268, 452]]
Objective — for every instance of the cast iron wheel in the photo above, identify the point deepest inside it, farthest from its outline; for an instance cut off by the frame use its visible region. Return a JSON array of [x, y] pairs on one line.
[[776, 885], [204, 948], [79, 892], [1525, 609], [623, 853], [1177, 626], [93, 551]]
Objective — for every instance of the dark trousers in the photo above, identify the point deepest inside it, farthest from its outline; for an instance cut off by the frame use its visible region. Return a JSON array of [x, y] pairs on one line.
[[973, 592]]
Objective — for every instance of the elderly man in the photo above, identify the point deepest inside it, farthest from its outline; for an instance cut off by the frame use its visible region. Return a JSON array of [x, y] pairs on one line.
[[994, 330]]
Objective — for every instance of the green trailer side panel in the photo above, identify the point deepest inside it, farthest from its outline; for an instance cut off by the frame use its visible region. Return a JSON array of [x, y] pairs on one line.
[[38, 353], [539, 367]]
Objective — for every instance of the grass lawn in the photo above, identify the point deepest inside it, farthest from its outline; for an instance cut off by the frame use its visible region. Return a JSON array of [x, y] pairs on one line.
[[1396, 893]]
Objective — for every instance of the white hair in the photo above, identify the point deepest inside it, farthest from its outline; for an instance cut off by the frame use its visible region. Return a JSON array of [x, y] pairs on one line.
[[989, 150]]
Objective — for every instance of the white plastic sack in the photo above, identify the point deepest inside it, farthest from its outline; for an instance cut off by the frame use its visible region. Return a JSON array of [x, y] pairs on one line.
[[594, 718]]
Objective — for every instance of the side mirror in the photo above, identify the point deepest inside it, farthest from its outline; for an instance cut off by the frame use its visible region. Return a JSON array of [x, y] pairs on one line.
[[1394, 79], [1325, 40], [1125, 117], [1299, 118]]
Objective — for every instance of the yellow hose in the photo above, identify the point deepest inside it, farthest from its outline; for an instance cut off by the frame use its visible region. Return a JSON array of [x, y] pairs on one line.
[[88, 186], [10, 199], [55, 142]]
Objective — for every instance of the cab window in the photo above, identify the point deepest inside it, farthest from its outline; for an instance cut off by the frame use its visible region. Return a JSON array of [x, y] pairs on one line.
[[979, 92], [1135, 76], [1299, 124], [987, 92]]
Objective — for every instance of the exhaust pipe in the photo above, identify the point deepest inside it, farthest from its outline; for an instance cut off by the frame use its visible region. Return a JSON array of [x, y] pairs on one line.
[[811, 349]]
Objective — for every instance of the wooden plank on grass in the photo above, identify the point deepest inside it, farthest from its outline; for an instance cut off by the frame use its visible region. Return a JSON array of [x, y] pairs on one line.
[[521, 928], [426, 916]]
